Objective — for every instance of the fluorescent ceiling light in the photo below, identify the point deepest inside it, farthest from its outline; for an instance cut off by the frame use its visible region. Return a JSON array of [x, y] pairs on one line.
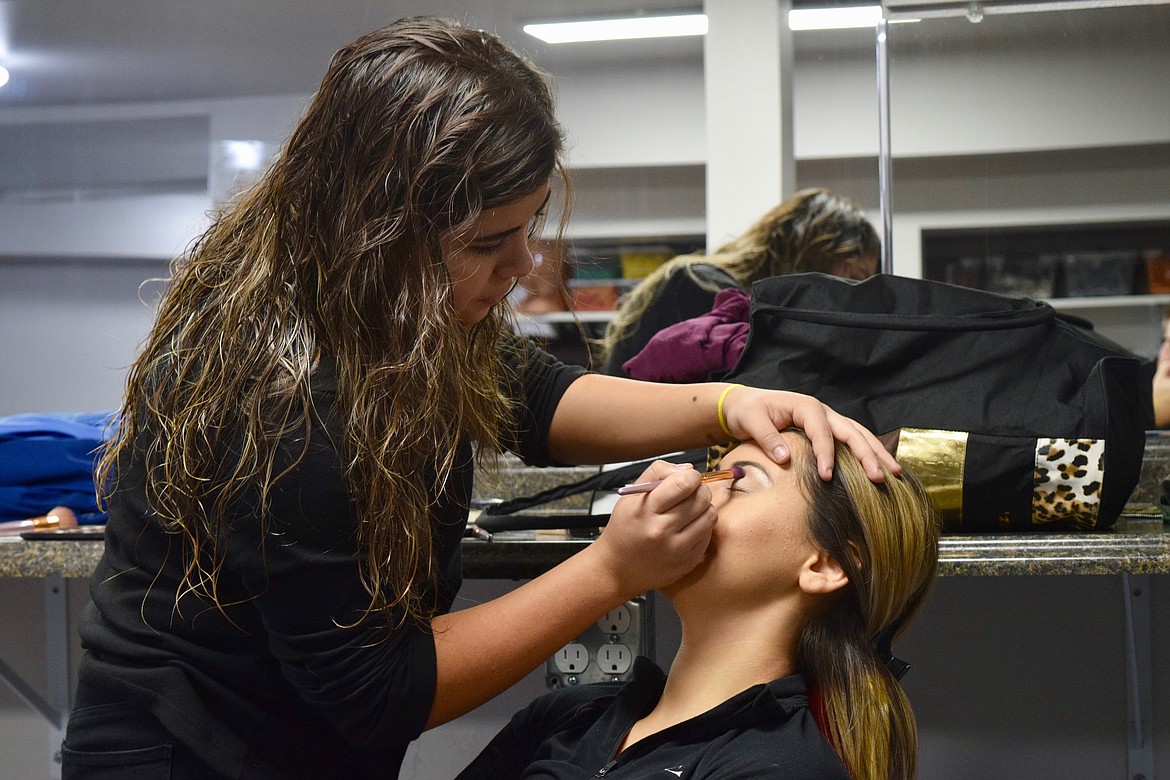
[[620, 29], [243, 155], [839, 18]]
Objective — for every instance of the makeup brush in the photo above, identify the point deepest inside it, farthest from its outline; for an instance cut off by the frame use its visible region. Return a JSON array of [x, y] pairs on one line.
[[59, 517], [735, 472]]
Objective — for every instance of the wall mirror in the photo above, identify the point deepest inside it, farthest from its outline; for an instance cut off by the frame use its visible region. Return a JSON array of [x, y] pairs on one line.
[[1018, 141], [1031, 151]]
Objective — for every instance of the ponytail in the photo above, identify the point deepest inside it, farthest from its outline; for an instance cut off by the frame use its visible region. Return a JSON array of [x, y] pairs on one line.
[[885, 537], [861, 709]]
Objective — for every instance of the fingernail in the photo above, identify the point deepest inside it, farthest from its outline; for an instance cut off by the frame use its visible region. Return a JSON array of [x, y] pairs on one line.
[[780, 452]]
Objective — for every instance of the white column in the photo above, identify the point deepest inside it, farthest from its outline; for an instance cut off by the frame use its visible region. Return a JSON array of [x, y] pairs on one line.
[[748, 82]]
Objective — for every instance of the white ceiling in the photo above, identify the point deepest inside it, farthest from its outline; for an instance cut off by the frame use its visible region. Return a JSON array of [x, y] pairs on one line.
[[83, 52], [74, 52]]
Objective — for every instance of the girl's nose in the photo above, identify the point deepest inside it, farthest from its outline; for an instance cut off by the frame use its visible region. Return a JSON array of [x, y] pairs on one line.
[[518, 262]]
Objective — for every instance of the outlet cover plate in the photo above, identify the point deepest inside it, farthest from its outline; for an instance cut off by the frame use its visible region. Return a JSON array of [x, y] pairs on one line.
[[636, 638]]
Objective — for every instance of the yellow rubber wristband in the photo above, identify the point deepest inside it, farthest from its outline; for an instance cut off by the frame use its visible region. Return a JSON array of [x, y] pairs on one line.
[[719, 409]]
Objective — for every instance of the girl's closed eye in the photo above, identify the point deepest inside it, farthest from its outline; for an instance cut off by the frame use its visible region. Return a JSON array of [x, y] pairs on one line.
[[746, 486], [489, 248], [755, 478], [736, 486]]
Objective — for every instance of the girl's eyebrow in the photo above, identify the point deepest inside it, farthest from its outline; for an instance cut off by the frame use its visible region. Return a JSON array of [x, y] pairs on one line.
[[496, 236], [509, 231], [764, 474]]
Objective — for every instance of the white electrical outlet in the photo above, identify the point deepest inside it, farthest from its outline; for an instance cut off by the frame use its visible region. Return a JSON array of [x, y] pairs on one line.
[[572, 658], [614, 659], [616, 621], [606, 650]]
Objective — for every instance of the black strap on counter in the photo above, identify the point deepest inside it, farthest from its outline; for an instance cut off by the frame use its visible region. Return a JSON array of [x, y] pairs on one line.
[[605, 480], [523, 522]]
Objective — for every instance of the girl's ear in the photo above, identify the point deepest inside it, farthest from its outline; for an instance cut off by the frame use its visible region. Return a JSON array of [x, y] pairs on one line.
[[821, 574]]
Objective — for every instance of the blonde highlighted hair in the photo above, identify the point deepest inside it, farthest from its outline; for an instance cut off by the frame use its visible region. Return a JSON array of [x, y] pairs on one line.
[[814, 230], [885, 536]]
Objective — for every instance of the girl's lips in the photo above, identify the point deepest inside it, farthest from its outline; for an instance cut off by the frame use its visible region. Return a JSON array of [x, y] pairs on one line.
[[493, 300]]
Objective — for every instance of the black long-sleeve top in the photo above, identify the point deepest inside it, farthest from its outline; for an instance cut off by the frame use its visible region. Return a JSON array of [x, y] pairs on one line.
[[277, 687]]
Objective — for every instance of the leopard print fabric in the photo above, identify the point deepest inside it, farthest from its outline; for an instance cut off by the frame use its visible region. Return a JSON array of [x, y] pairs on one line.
[[1067, 481]]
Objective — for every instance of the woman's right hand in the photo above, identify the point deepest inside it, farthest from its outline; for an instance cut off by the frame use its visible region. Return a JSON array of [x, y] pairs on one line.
[[654, 538]]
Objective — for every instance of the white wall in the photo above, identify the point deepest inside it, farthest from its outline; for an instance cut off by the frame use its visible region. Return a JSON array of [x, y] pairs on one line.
[[87, 227], [950, 103], [70, 331]]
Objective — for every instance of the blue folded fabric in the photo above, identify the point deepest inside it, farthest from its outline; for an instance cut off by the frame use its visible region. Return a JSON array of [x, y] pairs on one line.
[[48, 460], [58, 425]]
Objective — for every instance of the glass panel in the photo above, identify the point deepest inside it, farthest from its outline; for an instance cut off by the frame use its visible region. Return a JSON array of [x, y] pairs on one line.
[[124, 122], [835, 113], [1031, 153]]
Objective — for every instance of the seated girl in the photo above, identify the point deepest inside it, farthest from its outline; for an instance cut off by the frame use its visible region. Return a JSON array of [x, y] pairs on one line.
[[784, 669]]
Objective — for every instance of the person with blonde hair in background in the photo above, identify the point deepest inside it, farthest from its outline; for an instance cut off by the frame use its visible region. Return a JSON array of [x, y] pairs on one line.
[[785, 668], [814, 230]]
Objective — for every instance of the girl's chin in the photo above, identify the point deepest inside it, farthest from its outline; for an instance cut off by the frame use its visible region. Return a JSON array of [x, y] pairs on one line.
[[475, 314], [689, 586]]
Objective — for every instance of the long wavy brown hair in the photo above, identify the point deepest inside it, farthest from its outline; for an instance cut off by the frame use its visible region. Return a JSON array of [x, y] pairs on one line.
[[335, 255], [885, 536], [814, 230]]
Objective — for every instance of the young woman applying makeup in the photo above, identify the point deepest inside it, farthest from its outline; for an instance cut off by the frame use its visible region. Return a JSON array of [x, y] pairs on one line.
[[289, 482]]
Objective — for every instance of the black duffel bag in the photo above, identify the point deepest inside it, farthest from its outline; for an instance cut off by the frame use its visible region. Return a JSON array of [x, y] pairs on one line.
[[1015, 416]]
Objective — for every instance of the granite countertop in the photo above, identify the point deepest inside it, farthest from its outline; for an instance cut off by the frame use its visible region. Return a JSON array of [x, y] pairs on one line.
[[1139, 543], [1133, 545]]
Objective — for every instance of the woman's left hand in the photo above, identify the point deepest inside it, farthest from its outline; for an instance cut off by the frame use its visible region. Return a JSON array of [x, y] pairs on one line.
[[751, 413]]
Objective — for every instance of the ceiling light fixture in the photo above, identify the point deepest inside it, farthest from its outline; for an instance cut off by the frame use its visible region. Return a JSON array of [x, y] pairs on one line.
[[244, 155], [620, 29], [3, 75], [837, 18]]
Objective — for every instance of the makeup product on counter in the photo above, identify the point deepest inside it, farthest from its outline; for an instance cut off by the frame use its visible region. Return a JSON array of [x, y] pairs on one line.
[[735, 472], [58, 517]]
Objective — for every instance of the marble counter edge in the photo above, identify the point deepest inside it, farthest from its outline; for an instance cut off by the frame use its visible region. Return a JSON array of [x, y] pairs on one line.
[[523, 555]]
